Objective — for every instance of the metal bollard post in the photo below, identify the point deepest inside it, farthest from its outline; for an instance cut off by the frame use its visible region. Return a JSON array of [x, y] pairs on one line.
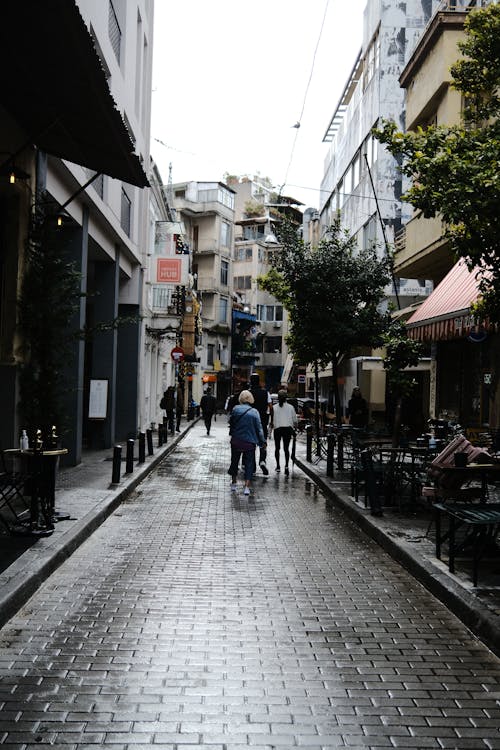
[[160, 435], [340, 452], [330, 443], [129, 460], [149, 441], [142, 447], [309, 443], [117, 464]]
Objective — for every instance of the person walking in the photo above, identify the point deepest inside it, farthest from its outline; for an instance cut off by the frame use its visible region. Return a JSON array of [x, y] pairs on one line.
[[245, 429], [284, 423], [264, 405], [208, 404], [179, 402], [357, 409], [168, 403]]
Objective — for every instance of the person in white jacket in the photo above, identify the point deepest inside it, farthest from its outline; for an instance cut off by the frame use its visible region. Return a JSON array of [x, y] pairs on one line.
[[284, 423]]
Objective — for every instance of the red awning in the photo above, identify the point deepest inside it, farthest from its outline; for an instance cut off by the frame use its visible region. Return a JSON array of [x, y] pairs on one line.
[[445, 314]]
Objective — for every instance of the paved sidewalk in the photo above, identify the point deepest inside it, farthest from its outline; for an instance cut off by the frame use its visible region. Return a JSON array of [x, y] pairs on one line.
[[86, 493]]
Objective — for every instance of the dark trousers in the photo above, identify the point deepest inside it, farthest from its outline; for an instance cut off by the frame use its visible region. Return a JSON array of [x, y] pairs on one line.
[[282, 434], [248, 462], [207, 418], [264, 420], [170, 420]]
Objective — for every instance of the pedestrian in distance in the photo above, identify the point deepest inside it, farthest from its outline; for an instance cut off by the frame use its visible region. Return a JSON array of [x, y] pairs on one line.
[[283, 423], [357, 409], [264, 405], [208, 405], [179, 401], [245, 429], [168, 403]]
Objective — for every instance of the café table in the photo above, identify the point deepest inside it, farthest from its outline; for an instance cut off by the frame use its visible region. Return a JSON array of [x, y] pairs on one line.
[[480, 471], [39, 470]]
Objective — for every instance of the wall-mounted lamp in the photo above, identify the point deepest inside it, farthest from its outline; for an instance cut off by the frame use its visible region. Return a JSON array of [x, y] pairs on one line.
[[13, 173]]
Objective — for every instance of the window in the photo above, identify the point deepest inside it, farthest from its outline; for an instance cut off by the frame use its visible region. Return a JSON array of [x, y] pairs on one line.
[[114, 32], [269, 313], [254, 232], [223, 310], [162, 297], [210, 354], [272, 344], [370, 233], [125, 214], [242, 282], [225, 234], [243, 253], [355, 171], [372, 59], [224, 272]]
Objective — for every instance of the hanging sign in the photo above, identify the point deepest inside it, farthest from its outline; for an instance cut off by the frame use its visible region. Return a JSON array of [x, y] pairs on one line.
[[177, 354]]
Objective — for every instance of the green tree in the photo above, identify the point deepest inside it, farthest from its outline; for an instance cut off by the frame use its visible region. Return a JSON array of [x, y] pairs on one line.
[[332, 293], [455, 170], [400, 352]]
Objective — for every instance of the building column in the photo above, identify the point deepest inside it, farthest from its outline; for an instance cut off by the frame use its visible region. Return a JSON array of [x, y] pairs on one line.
[[104, 347], [76, 246]]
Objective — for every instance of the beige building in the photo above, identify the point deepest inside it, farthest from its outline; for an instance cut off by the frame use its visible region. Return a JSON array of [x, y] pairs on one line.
[[206, 210], [462, 351]]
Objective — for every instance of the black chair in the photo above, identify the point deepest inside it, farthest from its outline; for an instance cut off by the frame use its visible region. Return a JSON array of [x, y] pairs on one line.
[[373, 479], [12, 483]]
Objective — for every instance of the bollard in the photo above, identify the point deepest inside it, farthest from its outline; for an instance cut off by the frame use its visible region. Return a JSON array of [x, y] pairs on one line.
[[129, 460], [340, 452], [309, 443], [149, 441], [160, 435], [117, 464], [330, 443], [142, 447]]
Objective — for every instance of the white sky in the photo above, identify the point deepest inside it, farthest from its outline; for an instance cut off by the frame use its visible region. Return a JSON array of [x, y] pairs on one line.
[[229, 82]]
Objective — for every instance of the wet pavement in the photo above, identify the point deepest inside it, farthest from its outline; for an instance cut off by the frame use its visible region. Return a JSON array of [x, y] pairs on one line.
[[193, 617]]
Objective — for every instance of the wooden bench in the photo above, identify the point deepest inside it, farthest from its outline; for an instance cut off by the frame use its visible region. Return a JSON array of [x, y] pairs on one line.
[[482, 524]]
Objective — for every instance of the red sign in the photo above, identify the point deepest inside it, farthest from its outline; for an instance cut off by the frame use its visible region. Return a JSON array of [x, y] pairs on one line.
[[169, 270], [177, 354]]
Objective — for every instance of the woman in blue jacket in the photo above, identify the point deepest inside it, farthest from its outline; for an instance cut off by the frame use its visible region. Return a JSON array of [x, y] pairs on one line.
[[246, 433]]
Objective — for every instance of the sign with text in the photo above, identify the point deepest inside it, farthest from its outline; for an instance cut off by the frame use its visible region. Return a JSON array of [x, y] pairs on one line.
[[98, 399], [168, 270]]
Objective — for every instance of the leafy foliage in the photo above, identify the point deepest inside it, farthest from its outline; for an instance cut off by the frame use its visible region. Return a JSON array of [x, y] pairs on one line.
[[400, 352], [455, 171], [50, 296]]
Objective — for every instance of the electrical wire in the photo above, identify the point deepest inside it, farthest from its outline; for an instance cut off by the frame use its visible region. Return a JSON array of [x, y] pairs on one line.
[[299, 121]]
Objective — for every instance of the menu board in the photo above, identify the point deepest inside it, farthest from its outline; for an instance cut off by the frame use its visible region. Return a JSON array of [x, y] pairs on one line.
[[98, 399]]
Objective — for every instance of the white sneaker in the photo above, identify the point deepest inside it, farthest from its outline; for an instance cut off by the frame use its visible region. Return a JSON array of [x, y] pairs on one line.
[[234, 487], [246, 491]]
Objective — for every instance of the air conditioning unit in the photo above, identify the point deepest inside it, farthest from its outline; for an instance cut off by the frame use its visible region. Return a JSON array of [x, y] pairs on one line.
[[277, 323]]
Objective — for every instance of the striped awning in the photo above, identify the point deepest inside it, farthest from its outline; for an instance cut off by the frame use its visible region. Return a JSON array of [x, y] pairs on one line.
[[446, 313]]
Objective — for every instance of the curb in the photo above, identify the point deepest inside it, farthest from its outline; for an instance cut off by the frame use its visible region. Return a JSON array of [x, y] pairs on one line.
[[461, 602], [25, 582]]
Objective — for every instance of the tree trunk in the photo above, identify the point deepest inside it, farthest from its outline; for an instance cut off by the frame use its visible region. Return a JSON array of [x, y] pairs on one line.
[[396, 426]]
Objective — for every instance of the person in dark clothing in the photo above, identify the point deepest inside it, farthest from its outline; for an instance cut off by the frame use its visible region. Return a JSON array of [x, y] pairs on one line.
[[168, 403], [357, 409], [263, 404], [179, 402], [207, 405]]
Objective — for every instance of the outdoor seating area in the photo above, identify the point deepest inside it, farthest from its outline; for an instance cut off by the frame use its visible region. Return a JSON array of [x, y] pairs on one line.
[[27, 490], [450, 481]]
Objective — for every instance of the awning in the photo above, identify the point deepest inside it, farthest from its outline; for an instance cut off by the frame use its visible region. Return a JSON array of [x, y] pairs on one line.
[[54, 87], [445, 314]]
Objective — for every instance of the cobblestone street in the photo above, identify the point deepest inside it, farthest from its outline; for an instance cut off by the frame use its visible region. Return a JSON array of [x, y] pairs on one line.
[[197, 618]]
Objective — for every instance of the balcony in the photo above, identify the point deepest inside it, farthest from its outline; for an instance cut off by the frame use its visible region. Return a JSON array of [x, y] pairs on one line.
[[211, 246], [421, 251], [207, 284]]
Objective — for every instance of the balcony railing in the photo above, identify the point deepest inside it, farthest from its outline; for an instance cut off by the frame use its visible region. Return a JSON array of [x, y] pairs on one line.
[[206, 284], [400, 240]]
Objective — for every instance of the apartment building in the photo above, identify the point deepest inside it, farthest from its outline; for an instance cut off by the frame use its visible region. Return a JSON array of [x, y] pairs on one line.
[[206, 210], [361, 179], [78, 88], [260, 321], [463, 353]]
